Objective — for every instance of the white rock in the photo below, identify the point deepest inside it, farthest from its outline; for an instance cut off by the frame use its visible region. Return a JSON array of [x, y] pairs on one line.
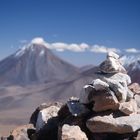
[[120, 77], [100, 85], [119, 89], [118, 83], [46, 114]]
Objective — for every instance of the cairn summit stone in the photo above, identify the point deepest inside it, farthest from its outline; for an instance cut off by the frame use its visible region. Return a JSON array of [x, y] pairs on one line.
[[112, 64]]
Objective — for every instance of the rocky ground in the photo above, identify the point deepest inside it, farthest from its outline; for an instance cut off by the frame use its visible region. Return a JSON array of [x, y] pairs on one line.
[[109, 109]]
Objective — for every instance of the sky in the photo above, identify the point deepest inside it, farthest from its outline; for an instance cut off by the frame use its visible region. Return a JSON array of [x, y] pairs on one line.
[[79, 31]]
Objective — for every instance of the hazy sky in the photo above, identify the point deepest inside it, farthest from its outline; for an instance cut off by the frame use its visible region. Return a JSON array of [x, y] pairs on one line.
[[99, 24]]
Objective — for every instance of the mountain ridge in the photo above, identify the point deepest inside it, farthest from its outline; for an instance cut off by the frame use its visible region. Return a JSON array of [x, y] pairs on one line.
[[132, 65]]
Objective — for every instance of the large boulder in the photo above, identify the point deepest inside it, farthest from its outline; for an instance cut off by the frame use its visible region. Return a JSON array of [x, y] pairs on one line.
[[38, 117], [122, 78], [48, 121], [100, 95], [46, 114], [108, 124], [73, 132], [119, 90], [34, 116], [118, 83], [102, 99], [105, 100]]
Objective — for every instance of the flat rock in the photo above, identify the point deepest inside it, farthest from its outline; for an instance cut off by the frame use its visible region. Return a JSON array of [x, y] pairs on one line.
[[108, 124], [72, 133], [100, 85]]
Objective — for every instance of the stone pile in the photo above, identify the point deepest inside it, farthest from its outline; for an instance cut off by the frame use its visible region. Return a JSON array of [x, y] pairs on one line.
[[107, 110]]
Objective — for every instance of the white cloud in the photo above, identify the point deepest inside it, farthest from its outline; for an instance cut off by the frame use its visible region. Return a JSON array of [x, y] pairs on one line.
[[132, 50], [102, 49], [61, 46]]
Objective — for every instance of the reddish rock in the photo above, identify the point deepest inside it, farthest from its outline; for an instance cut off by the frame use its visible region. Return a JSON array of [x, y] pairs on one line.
[[72, 133]]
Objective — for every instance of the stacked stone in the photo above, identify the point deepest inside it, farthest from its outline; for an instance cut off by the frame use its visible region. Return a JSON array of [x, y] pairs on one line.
[[110, 92], [108, 109]]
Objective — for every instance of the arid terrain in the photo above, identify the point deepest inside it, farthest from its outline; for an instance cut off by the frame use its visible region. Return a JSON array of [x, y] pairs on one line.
[[34, 75]]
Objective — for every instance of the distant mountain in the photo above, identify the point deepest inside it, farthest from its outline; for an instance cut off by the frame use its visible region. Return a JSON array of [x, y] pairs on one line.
[[34, 63], [132, 65]]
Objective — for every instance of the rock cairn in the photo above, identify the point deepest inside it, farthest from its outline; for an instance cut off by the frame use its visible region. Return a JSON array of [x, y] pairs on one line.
[[107, 110]]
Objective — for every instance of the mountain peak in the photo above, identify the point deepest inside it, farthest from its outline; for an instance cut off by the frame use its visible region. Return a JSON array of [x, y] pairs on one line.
[[132, 64], [128, 60], [35, 44]]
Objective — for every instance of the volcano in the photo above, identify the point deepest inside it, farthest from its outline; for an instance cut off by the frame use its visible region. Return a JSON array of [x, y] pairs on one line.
[[34, 63]]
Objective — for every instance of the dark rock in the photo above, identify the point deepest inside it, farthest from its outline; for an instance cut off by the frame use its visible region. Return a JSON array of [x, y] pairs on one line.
[[76, 108], [50, 130]]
